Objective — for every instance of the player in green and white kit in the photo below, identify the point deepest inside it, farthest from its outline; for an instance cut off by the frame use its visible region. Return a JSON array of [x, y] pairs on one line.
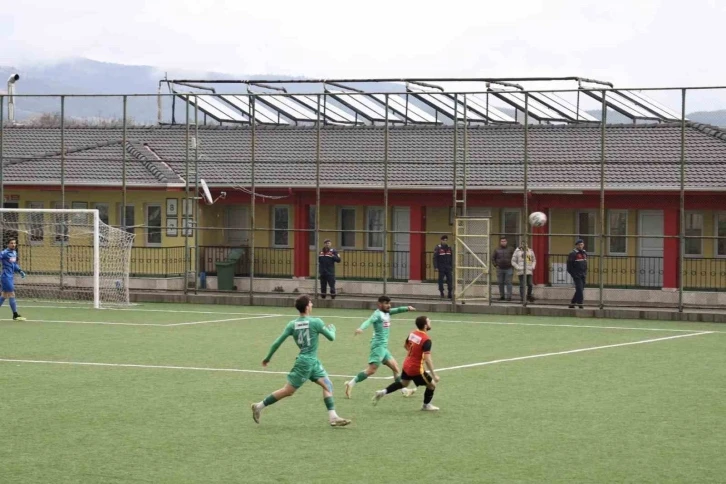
[[305, 331], [381, 321]]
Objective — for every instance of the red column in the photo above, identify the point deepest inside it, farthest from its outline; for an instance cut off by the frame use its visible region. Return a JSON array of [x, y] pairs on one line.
[[417, 223], [541, 247], [301, 257], [671, 226]]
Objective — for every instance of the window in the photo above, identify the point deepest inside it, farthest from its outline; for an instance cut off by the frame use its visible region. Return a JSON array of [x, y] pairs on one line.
[[36, 223], [374, 227], [81, 219], [153, 224], [694, 228], [130, 221], [617, 230], [347, 227], [61, 223], [586, 222], [721, 234], [311, 226], [511, 224], [102, 212], [281, 225]]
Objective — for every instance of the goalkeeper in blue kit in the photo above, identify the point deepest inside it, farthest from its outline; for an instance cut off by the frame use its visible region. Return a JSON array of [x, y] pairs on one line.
[[305, 331], [10, 266]]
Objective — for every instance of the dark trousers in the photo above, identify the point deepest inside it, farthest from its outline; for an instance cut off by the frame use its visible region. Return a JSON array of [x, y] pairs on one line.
[[528, 281], [325, 281], [444, 274], [579, 296]]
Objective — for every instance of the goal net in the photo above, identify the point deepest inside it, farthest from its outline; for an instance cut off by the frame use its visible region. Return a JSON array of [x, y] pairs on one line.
[[471, 259], [68, 255]]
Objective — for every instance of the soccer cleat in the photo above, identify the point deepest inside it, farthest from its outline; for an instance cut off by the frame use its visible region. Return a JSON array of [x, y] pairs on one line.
[[339, 422], [407, 392], [256, 412], [429, 408], [379, 394], [18, 317], [348, 389]]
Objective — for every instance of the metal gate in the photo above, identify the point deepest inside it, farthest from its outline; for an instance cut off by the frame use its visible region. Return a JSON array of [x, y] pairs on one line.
[[471, 259]]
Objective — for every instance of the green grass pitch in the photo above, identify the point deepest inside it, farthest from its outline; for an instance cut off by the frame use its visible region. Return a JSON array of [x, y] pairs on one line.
[[522, 399]]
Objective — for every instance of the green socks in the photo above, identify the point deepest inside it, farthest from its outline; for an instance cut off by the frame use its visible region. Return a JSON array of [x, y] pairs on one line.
[[360, 377], [329, 404], [269, 400]]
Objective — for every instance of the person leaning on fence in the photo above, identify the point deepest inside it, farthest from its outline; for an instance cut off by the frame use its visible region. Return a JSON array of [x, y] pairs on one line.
[[577, 269], [444, 263], [502, 260], [327, 258], [525, 265]]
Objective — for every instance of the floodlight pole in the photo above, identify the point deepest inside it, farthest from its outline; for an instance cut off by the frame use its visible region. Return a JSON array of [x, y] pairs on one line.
[[385, 202], [186, 202], [317, 195], [196, 193], [601, 268], [63, 185], [253, 219], [455, 201], [524, 220], [682, 204]]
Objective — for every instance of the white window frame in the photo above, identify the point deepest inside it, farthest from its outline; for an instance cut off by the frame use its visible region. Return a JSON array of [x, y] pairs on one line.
[[41, 217], [147, 225], [700, 241], [370, 233], [610, 236], [130, 229], [715, 233], [275, 229], [589, 248], [340, 227], [503, 232]]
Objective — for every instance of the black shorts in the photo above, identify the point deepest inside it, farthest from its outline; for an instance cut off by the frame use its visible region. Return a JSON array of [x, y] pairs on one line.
[[420, 380]]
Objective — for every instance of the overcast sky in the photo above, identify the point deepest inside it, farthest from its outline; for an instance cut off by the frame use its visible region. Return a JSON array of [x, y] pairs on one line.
[[633, 43]]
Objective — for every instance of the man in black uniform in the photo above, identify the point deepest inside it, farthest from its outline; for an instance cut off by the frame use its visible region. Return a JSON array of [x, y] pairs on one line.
[[327, 258], [577, 269], [444, 263]]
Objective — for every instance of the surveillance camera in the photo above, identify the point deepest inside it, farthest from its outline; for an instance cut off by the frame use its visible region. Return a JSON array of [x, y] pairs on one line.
[[222, 194], [13, 78]]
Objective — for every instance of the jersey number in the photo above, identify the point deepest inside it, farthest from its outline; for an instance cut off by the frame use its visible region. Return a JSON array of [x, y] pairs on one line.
[[302, 336]]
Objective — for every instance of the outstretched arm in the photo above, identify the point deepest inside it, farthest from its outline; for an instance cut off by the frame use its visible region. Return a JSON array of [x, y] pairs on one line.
[[276, 344], [402, 309]]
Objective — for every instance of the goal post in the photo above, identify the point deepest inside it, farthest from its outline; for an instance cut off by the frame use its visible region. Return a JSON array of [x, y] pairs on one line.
[[471, 259], [68, 255]]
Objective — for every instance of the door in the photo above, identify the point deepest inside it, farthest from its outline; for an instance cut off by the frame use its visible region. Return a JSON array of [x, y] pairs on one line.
[[650, 249], [237, 225], [9, 224], [401, 242]]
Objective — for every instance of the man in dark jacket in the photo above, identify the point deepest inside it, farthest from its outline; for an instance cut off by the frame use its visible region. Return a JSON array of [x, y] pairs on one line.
[[577, 269], [327, 258], [502, 260], [444, 263]]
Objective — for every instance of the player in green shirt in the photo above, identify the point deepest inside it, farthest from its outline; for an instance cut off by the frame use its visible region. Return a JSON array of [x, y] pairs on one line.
[[305, 331], [381, 321]]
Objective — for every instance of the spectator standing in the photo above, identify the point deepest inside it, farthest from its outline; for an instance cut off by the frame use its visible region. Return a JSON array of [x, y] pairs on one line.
[[502, 260], [444, 263], [327, 258], [524, 261], [577, 269]]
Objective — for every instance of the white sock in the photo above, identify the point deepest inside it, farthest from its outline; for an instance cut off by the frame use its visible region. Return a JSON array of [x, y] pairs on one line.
[[260, 405], [352, 382], [332, 415]]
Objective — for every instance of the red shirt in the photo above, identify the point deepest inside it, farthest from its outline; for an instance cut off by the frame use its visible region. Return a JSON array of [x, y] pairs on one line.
[[418, 344]]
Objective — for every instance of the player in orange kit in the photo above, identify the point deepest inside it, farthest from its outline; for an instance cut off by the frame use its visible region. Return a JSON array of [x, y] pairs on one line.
[[418, 344]]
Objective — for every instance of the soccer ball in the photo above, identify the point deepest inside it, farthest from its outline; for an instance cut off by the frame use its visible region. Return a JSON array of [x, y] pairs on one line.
[[537, 219]]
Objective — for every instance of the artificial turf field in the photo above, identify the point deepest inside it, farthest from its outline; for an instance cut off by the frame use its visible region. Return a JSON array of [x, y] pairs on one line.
[[160, 393]]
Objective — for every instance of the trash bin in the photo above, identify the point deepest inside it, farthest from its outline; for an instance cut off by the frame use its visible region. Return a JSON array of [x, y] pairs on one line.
[[225, 270]]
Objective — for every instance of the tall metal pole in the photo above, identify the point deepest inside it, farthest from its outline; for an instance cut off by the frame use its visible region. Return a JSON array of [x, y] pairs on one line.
[[601, 271], [63, 186], [466, 156], [252, 200], [2, 159], [682, 208], [455, 199], [123, 164], [196, 192], [186, 202], [523, 219], [385, 202], [317, 192]]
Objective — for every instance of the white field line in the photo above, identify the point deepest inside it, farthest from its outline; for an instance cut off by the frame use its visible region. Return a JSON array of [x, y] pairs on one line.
[[150, 310], [568, 352], [86, 322], [156, 367], [223, 320]]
